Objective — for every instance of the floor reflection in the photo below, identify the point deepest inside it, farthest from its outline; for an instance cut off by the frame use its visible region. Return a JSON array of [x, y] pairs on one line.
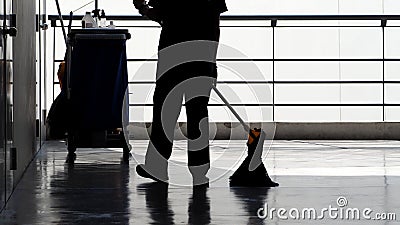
[[199, 207], [251, 200], [157, 203], [91, 194], [98, 189], [160, 209]]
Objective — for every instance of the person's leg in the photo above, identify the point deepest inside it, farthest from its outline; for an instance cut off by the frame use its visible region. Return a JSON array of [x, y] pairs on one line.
[[167, 105], [197, 95]]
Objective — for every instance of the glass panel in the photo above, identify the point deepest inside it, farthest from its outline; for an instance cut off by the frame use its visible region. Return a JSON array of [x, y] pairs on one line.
[[307, 93], [392, 93], [328, 23], [359, 23], [361, 43], [254, 43], [308, 23], [303, 43], [392, 47], [361, 93], [328, 114], [392, 114], [144, 43], [244, 71], [141, 93], [328, 71], [142, 71], [307, 114], [306, 71], [140, 114], [361, 71], [393, 23], [328, 94], [361, 114], [392, 71], [244, 94], [323, 43]]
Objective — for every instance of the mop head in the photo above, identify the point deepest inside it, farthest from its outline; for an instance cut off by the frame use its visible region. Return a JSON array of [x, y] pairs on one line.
[[252, 173]]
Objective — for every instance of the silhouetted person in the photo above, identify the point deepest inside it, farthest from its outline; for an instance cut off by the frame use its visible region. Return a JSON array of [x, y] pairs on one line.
[[186, 70]]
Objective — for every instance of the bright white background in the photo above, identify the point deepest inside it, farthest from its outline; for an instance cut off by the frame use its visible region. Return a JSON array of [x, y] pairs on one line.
[[258, 7], [292, 43]]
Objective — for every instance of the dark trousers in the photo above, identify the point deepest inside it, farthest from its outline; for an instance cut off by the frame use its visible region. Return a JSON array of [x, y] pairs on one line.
[[174, 86], [191, 82]]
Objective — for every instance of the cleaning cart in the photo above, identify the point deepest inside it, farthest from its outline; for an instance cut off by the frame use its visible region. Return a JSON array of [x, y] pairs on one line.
[[95, 84]]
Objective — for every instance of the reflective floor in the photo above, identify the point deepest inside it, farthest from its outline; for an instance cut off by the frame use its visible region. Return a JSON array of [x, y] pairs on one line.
[[99, 189]]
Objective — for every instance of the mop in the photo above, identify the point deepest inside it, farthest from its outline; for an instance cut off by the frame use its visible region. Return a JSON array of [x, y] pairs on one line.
[[252, 172]]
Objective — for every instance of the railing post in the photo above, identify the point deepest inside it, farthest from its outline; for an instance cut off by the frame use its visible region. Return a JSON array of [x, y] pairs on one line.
[[54, 58], [383, 25], [273, 25]]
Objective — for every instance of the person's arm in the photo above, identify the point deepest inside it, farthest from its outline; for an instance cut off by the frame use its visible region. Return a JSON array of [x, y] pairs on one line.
[[152, 13]]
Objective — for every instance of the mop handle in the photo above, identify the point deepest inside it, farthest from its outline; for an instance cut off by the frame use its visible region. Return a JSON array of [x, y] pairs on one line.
[[245, 126]]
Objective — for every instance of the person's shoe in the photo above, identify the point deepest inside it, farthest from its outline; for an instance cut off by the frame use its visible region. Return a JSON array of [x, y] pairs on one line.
[[141, 171]]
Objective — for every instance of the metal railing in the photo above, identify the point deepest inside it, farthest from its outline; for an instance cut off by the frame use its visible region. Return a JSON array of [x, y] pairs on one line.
[[273, 22]]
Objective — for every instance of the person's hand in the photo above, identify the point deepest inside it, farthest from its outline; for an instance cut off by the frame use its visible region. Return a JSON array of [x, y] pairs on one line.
[[139, 3], [61, 72]]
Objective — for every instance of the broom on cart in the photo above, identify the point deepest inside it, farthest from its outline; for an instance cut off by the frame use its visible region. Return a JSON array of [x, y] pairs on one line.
[[252, 172]]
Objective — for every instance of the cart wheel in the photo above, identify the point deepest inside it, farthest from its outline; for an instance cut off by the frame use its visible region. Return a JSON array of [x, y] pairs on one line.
[[71, 144]]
